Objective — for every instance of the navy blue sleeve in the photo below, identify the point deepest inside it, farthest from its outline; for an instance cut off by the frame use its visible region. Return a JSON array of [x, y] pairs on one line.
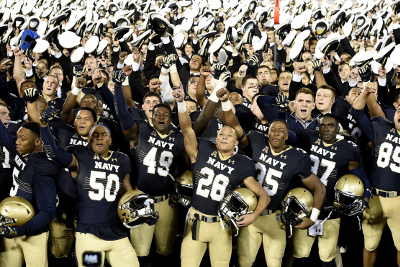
[[44, 190], [123, 115], [62, 157], [7, 139], [4, 93], [359, 172], [364, 123], [268, 107], [108, 98]]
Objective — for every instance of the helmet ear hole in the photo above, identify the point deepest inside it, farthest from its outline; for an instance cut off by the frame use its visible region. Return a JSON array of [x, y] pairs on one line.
[[236, 203], [136, 208], [16, 211]]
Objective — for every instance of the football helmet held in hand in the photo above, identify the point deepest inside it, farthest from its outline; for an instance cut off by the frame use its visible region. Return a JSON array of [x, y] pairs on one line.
[[184, 188], [239, 202], [349, 191], [136, 208], [297, 204], [15, 211]]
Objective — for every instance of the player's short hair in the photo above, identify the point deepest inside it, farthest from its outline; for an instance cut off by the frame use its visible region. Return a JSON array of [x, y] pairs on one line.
[[306, 91], [98, 125], [248, 77], [328, 87], [284, 122], [191, 100], [263, 67], [150, 94], [329, 115], [33, 126], [237, 137], [56, 67], [91, 111], [163, 105]]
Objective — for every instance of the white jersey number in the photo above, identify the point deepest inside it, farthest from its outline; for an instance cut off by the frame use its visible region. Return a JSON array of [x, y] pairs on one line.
[[100, 191], [270, 178], [330, 166], [165, 161], [219, 184], [385, 153]]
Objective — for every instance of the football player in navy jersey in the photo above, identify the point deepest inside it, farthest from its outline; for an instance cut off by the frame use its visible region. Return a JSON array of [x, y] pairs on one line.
[[275, 172], [100, 176], [216, 171], [385, 199], [331, 157], [157, 151], [5, 167], [33, 180]]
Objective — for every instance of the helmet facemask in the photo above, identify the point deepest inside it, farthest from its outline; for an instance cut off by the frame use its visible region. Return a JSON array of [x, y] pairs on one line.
[[294, 211]]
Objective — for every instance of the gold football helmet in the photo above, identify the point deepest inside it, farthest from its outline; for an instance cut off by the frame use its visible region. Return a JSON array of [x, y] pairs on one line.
[[184, 188], [297, 204], [15, 211], [136, 208], [348, 190], [239, 202]]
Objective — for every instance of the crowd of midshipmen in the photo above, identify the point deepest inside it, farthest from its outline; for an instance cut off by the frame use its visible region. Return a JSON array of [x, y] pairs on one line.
[[104, 88]]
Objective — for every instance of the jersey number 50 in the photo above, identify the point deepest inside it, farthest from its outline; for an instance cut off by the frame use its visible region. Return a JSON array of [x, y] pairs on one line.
[[101, 191]]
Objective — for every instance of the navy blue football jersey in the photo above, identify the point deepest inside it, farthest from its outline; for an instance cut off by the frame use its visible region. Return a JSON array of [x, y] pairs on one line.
[[67, 136], [385, 172], [329, 161], [213, 177], [249, 121], [33, 180], [246, 102], [98, 182], [275, 171], [156, 157]]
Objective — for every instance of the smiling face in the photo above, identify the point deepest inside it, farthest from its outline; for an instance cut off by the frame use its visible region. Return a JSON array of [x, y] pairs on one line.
[[328, 128], [397, 119], [303, 105], [83, 122], [277, 135], [235, 98], [100, 141], [162, 119], [226, 139], [89, 101]]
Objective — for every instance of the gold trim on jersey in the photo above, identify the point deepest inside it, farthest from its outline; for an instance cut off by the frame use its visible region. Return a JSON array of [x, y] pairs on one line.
[[97, 156], [278, 153], [163, 136]]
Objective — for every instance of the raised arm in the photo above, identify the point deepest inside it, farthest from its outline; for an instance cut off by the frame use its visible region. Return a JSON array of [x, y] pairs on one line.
[[191, 145], [129, 127], [57, 154], [230, 118]]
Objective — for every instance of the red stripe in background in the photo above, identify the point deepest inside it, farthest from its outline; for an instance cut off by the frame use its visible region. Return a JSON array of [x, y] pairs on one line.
[[276, 12]]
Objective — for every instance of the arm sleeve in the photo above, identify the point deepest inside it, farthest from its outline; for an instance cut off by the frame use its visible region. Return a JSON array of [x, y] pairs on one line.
[[7, 139], [123, 115], [45, 195], [359, 172], [364, 123], [108, 98], [268, 107], [60, 156]]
